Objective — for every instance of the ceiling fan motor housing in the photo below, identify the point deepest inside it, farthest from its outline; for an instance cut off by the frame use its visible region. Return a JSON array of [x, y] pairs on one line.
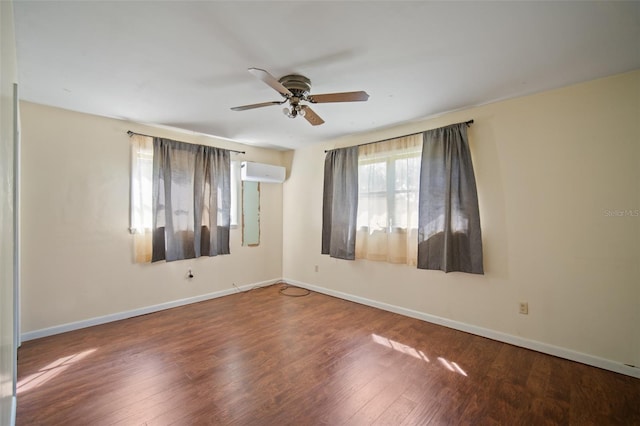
[[297, 84]]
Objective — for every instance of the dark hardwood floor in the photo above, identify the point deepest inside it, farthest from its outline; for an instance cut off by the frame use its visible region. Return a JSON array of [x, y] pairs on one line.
[[260, 358]]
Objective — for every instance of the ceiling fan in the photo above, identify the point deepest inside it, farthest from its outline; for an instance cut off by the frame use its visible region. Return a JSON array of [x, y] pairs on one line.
[[295, 88]]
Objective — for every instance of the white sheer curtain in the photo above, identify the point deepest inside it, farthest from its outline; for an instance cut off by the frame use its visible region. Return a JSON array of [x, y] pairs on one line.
[[388, 184], [141, 199]]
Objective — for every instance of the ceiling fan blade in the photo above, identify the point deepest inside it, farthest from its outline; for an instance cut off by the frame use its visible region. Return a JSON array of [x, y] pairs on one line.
[[339, 97], [260, 105], [311, 116], [271, 81]]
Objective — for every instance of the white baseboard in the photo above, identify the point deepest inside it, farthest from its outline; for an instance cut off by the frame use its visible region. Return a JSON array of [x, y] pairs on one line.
[[14, 408], [50, 331], [546, 348]]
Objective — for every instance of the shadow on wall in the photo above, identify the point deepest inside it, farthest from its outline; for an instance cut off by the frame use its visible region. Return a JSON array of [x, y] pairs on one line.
[[491, 195]]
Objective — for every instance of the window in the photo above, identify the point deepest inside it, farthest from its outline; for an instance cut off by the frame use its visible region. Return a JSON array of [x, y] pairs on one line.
[[141, 201], [415, 204], [388, 184]]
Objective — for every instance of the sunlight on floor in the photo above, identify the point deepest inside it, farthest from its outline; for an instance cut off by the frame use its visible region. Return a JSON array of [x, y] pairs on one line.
[[399, 347], [50, 371], [452, 366], [408, 350]]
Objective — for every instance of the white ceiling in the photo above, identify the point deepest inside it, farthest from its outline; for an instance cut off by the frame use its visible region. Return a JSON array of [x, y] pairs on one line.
[[184, 63]]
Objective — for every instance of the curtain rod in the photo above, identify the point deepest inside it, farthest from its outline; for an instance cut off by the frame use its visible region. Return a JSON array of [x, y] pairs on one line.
[[130, 133], [468, 123]]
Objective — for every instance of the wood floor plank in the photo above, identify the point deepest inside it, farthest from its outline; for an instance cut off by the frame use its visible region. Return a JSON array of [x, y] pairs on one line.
[[261, 358]]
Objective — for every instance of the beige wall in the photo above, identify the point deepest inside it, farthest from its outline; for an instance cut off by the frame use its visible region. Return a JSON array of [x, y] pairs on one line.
[[8, 76], [551, 170], [77, 252]]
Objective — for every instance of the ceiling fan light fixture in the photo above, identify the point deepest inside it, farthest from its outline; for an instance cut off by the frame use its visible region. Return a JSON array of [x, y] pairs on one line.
[[293, 111], [286, 111]]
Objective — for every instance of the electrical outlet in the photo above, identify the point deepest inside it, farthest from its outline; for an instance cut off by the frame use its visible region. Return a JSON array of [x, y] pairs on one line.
[[524, 308], [316, 268]]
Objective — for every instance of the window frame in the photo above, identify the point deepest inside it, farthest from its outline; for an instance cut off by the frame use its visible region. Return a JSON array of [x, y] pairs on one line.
[[389, 158]]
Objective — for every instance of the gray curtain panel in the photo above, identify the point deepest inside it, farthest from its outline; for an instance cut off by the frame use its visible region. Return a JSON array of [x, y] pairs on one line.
[[191, 200], [340, 203], [449, 236]]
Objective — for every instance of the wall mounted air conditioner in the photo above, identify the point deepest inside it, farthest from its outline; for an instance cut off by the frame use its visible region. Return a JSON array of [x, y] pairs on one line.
[[258, 172]]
